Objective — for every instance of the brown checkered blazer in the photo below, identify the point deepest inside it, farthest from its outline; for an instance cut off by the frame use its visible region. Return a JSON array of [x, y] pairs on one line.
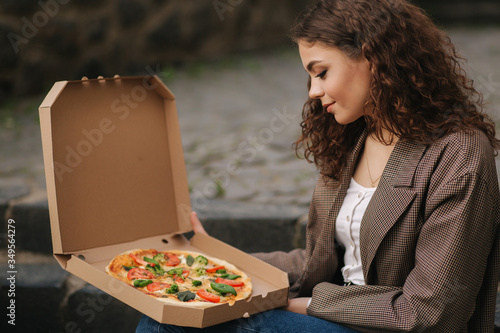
[[429, 242]]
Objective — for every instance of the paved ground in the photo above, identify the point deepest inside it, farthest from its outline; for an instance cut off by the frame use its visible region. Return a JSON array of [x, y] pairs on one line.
[[242, 112]]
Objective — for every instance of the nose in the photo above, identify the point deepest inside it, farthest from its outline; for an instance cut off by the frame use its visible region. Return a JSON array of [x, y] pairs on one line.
[[315, 91]]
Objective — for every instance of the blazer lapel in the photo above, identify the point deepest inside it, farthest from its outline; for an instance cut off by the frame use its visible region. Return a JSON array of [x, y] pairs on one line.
[[392, 197]]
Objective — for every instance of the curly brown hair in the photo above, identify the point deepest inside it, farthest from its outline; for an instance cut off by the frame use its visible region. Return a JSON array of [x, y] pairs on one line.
[[419, 90]]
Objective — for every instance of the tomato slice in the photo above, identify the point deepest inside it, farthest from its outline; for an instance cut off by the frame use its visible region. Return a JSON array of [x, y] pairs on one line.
[[139, 273], [185, 274], [155, 286], [140, 261], [208, 296], [232, 283], [171, 259], [214, 269]]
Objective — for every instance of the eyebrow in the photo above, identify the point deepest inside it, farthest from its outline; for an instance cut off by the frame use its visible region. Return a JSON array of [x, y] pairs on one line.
[[312, 63]]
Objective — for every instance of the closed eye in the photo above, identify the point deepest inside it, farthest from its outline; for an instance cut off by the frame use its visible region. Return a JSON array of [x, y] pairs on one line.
[[322, 74]]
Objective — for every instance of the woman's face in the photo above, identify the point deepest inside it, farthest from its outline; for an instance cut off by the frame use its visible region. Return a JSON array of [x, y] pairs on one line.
[[342, 84]]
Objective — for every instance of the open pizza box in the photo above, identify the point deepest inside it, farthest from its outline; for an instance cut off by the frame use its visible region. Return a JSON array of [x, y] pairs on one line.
[[116, 181]]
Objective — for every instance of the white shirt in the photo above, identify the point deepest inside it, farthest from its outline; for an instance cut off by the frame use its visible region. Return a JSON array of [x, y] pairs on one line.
[[347, 229]]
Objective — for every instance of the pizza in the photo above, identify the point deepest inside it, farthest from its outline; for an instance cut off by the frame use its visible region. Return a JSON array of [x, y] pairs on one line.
[[181, 277]]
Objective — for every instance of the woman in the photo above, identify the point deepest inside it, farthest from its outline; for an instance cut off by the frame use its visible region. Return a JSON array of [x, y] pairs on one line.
[[403, 231]]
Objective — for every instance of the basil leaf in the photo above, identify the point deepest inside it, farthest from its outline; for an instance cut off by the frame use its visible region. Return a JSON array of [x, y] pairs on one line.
[[229, 276], [185, 296], [151, 260], [197, 283], [221, 271], [189, 260], [223, 288], [142, 283], [128, 268]]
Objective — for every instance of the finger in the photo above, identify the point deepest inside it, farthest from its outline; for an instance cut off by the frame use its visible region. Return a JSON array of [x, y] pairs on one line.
[[196, 224]]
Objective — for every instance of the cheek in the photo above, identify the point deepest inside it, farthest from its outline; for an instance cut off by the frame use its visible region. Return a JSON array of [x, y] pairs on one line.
[[341, 89], [348, 86], [359, 87], [335, 88]]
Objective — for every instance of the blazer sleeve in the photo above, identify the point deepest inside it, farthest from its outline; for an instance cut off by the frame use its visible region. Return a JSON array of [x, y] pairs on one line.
[[451, 258], [290, 262]]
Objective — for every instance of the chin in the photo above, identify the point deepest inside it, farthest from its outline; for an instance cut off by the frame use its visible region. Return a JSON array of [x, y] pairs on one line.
[[345, 121], [342, 121]]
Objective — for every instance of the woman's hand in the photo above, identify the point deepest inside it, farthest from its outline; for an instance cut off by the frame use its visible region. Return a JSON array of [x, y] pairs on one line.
[[196, 224], [298, 305]]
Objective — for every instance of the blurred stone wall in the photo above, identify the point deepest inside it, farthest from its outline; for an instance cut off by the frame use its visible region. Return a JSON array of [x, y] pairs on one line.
[[470, 12], [47, 40], [43, 41]]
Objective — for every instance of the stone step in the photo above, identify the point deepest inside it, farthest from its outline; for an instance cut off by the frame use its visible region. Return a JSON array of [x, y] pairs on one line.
[[35, 294], [236, 223], [253, 227], [49, 299], [32, 225]]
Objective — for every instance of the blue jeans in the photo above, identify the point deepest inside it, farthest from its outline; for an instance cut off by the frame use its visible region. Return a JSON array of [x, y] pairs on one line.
[[273, 321]]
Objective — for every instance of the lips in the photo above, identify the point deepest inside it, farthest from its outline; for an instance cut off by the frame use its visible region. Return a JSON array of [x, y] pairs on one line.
[[328, 107]]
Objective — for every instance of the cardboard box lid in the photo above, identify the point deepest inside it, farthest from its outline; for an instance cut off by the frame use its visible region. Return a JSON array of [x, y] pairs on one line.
[[113, 161]]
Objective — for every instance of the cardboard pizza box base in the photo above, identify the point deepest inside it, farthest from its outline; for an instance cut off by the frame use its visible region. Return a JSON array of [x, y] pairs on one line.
[[116, 181], [270, 287]]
